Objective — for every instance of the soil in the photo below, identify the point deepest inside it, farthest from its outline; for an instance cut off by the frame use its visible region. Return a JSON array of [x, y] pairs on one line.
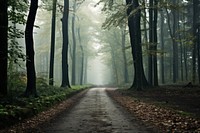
[[179, 98]]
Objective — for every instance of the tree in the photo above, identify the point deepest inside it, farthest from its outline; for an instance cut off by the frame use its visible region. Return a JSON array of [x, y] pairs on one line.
[[152, 59], [74, 45], [162, 67], [3, 46], [30, 64], [194, 32], [51, 69], [82, 57], [139, 81], [65, 73]]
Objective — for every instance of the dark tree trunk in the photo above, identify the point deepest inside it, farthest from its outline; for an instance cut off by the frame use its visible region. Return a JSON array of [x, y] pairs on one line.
[[152, 59], [181, 48], [30, 63], [150, 50], [155, 66], [65, 73], [3, 46], [74, 46], [194, 50], [51, 68], [198, 52], [185, 56], [175, 46], [135, 38]]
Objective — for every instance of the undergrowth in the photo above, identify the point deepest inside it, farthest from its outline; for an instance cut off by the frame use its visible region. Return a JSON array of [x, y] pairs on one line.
[[15, 107]]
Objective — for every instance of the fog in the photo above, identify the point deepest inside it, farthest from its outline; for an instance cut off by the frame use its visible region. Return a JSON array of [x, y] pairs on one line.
[[90, 19]]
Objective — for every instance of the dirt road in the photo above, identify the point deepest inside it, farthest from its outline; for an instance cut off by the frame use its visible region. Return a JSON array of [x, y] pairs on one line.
[[95, 113]]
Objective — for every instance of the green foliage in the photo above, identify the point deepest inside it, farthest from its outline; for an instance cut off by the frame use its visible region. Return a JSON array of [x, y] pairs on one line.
[[47, 4], [15, 107], [17, 11], [17, 81]]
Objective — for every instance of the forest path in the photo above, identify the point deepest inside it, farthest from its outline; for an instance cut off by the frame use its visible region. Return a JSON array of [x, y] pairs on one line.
[[95, 113]]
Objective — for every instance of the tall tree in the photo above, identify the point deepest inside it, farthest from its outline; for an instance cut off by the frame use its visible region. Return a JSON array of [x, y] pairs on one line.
[[135, 38], [194, 32], [3, 46], [162, 66], [152, 59], [155, 41], [51, 69], [172, 32], [65, 72], [30, 63], [150, 55], [74, 45], [82, 56]]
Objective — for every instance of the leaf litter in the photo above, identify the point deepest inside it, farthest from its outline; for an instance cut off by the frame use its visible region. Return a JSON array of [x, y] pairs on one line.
[[164, 118]]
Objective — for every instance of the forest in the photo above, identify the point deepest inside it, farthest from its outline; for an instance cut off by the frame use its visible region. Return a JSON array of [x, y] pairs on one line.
[[51, 50]]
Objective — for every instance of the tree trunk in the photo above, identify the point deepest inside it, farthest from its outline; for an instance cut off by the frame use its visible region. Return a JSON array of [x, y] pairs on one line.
[[51, 68], [85, 70], [30, 63], [150, 50], [174, 44], [144, 16], [82, 57], [155, 67], [3, 46], [114, 66], [194, 50], [198, 53], [139, 81], [181, 48], [152, 59], [162, 66], [65, 72], [73, 46]]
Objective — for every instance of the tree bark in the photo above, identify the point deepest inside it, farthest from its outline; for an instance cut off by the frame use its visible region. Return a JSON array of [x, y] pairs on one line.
[[3, 46], [51, 68], [150, 50], [30, 63], [155, 42], [162, 66], [73, 46], [82, 57], [139, 81], [65, 72], [194, 50], [172, 32]]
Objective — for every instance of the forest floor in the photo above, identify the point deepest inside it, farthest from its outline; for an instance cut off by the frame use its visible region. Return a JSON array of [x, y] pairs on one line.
[[163, 109], [170, 108]]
